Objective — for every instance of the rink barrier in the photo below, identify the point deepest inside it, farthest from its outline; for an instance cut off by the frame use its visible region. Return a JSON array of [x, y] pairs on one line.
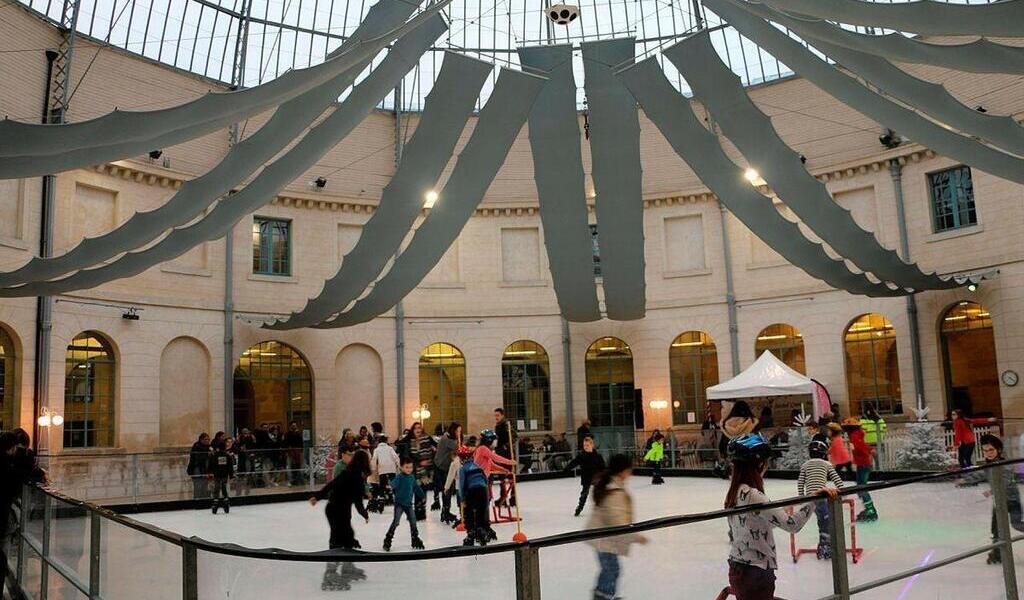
[[526, 555]]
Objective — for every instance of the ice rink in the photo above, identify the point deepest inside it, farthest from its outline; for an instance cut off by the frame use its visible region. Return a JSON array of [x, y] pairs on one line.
[[919, 524]]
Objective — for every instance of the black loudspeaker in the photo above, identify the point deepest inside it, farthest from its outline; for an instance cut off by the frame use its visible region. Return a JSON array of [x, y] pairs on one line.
[[638, 408]]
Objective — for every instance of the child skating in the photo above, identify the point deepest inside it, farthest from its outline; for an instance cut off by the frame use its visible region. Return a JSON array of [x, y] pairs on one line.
[[654, 457], [863, 461], [473, 488], [385, 464], [815, 475], [406, 491], [343, 493], [752, 557], [590, 463], [838, 453], [613, 506], [222, 469], [992, 450]]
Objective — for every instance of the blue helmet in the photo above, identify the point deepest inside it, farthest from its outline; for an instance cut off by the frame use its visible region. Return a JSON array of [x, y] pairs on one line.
[[487, 437], [749, 447]]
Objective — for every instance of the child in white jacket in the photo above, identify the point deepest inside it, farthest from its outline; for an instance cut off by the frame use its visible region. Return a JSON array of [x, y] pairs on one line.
[[384, 464]]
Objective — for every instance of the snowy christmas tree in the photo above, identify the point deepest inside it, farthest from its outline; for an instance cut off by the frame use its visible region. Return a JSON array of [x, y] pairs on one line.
[[924, 448], [799, 439]]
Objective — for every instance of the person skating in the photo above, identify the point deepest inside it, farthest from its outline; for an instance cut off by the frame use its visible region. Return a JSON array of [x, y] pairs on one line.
[[418, 445], [447, 444], [838, 452], [473, 486], [992, 450], [343, 493], [963, 439], [491, 463], [406, 491], [384, 463], [613, 507], [590, 462], [222, 470], [815, 474], [863, 462], [752, 556], [654, 456]]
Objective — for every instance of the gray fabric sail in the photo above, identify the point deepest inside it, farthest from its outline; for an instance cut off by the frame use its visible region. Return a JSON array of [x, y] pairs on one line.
[[852, 93], [197, 194], [924, 96], [558, 173], [496, 129], [673, 116], [978, 56], [618, 177], [445, 112], [293, 163], [722, 93], [997, 19], [28, 149]]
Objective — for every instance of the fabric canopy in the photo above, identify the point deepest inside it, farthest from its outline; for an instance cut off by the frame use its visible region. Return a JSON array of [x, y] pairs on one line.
[[768, 376]]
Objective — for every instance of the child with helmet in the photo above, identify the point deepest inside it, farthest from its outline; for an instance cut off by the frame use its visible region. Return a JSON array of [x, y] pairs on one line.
[[752, 557], [472, 486], [815, 475]]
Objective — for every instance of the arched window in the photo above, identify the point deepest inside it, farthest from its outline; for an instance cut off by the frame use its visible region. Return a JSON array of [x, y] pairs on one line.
[[274, 385], [785, 342], [693, 367], [443, 385], [89, 387], [8, 414], [610, 396], [526, 386], [969, 360], [872, 366]]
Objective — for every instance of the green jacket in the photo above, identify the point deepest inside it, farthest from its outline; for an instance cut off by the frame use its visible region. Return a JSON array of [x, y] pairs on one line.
[[656, 453], [872, 429]]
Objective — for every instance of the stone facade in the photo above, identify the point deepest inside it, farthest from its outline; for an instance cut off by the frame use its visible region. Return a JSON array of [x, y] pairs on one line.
[[493, 287]]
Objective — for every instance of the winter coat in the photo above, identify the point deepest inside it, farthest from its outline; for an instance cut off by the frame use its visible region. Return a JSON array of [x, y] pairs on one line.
[[471, 476], [446, 448], [385, 460], [590, 464], [616, 508], [406, 489], [838, 453], [346, 490], [222, 464], [963, 433], [489, 461], [198, 460], [861, 450], [734, 427], [506, 436], [752, 536], [656, 453]]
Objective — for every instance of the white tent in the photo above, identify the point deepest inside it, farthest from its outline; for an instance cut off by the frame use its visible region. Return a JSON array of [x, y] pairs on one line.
[[768, 376]]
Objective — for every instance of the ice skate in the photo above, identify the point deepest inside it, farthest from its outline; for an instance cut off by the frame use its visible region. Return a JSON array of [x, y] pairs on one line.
[[824, 552], [468, 541], [351, 572], [491, 534], [215, 506], [417, 543], [333, 581], [421, 512], [994, 558], [456, 523], [227, 507], [868, 515], [579, 509], [448, 518], [387, 543], [657, 480], [436, 505], [482, 537]]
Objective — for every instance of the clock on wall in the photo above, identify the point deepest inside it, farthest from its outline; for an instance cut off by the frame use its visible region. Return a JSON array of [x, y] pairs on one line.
[[1010, 378]]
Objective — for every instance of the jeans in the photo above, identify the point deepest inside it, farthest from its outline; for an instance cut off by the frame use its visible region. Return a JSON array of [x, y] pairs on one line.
[[863, 477], [822, 512], [200, 487], [608, 578], [965, 455], [410, 515]]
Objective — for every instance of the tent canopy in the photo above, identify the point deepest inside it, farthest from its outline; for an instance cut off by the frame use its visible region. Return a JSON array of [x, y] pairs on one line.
[[768, 376]]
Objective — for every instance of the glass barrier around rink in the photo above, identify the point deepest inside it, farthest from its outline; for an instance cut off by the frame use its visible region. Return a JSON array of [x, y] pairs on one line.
[[135, 564], [70, 539]]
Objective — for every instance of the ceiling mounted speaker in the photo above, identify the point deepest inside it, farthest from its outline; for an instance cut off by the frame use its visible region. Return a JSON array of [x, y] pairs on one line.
[[563, 14]]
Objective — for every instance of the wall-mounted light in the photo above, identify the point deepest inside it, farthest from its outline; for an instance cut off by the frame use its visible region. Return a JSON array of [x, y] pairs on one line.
[[132, 314], [49, 418], [658, 404], [972, 287], [422, 413]]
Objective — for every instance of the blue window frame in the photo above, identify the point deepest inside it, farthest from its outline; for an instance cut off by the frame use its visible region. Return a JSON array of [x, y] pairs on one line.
[[952, 194], [271, 246]]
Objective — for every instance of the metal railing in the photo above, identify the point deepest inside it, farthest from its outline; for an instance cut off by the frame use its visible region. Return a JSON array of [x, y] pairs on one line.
[[44, 511]]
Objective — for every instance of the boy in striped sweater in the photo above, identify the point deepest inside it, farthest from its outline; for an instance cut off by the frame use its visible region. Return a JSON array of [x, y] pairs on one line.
[[815, 475]]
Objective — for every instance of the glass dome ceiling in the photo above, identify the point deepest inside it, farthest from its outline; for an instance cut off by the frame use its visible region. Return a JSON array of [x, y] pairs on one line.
[[268, 37]]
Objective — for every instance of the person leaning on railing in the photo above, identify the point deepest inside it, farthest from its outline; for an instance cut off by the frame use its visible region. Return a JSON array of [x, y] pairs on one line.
[[752, 558], [199, 466]]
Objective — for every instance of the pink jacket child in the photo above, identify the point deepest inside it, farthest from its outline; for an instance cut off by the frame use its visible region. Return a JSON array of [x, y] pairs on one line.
[[490, 461], [838, 453]]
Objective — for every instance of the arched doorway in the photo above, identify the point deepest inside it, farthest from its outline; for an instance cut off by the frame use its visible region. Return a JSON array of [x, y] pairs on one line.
[[89, 388], [526, 386], [693, 367], [785, 342], [443, 385], [274, 385], [969, 360], [8, 388], [610, 392], [872, 365]]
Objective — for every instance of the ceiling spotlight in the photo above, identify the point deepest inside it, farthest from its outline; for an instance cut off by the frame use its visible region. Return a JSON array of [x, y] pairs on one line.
[[132, 314], [972, 287], [563, 14], [981, 109], [890, 140], [751, 175], [320, 182], [429, 199], [155, 154], [803, 159]]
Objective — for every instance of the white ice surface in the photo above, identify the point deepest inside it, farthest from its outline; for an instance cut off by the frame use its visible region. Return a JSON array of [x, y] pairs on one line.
[[919, 524]]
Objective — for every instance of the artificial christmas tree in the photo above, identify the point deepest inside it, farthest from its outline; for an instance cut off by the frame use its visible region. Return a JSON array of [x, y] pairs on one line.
[[924, 448], [799, 439]]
